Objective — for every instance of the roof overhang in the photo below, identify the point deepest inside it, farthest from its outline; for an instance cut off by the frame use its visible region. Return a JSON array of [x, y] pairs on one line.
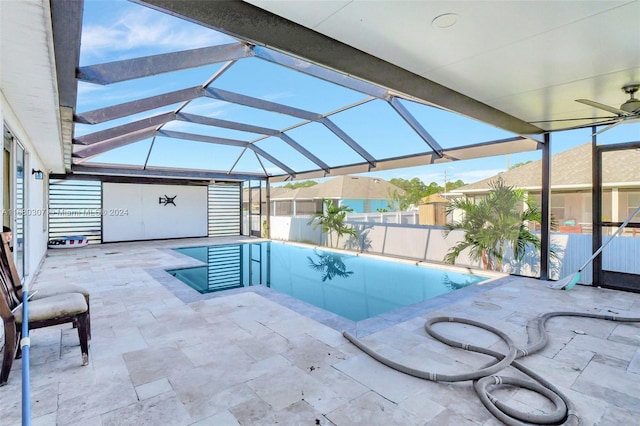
[[29, 79]]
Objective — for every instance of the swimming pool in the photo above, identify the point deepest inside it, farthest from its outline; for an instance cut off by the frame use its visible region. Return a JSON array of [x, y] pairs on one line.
[[355, 287]]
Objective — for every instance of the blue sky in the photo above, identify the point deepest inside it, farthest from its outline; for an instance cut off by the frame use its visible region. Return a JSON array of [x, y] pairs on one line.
[[116, 30]]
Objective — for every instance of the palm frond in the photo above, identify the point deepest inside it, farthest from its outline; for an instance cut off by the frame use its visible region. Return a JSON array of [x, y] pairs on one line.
[[492, 224]]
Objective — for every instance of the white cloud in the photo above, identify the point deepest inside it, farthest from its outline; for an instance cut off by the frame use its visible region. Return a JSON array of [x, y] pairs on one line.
[[93, 96], [476, 175], [272, 170], [86, 89], [143, 28], [209, 109], [275, 96]]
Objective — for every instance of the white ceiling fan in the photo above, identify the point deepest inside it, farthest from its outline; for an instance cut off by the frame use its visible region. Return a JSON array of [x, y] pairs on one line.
[[629, 110]]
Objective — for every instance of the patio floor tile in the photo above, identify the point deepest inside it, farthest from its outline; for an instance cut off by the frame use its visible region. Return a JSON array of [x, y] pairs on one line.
[[162, 353]]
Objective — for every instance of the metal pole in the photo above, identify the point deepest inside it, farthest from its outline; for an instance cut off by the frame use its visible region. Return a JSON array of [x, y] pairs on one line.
[[241, 201], [268, 195], [24, 346], [545, 208], [596, 207]]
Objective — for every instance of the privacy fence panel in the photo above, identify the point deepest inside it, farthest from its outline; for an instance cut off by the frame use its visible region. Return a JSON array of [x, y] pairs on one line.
[[75, 208], [224, 209]]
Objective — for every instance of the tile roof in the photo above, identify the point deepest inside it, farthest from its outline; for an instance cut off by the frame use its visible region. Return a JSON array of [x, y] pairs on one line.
[[342, 187], [434, 198], [570, 168]]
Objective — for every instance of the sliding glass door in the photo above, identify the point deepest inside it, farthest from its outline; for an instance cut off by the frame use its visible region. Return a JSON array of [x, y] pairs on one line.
[[19, 230], [14, 190]]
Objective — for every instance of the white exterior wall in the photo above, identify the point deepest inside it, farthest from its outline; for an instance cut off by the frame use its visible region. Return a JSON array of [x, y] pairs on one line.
[[35, 203], [29, 109], [133, 212]]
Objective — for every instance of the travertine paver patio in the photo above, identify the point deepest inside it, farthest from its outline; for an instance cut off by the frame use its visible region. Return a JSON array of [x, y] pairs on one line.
[[246, 359]]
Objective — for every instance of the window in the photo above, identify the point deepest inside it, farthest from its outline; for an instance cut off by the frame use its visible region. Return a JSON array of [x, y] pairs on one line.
[[558, 210], [633, 202], [283, 208], [308, 207]]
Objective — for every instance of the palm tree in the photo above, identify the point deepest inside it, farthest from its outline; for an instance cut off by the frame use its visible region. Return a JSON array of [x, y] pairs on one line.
[[330, 264], [492, 224], [397, 202], [332, 220]]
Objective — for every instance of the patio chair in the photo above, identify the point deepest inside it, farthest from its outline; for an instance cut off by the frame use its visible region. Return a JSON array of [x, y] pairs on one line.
[[45, 312], [41, 293]]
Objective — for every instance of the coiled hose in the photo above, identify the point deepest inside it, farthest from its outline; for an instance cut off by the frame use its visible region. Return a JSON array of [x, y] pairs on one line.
[[565, 412]]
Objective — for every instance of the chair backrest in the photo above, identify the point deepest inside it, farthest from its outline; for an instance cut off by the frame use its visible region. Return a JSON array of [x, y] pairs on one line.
[[7, 262], [10, 296]]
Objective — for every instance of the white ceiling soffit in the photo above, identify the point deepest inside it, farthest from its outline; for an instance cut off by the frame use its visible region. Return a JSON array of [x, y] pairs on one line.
[[257, 26], [28, 76], [531, 60]]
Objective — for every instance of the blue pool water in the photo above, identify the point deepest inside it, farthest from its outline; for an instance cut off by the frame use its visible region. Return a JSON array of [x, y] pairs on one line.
[[354, 287]]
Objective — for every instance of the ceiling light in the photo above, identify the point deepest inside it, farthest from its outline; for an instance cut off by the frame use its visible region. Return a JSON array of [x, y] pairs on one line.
[[445, 20]]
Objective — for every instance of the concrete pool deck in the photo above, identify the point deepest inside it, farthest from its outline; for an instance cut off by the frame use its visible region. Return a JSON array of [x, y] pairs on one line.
[[248, 358]]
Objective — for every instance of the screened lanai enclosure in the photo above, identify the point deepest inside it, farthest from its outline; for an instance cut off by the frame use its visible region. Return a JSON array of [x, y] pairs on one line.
[[233, 109], [194, 103], [222, 111]]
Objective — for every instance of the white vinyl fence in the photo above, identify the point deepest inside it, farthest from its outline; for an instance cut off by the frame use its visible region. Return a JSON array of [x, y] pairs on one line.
[[428, 243], [295, 228], [401, 218]]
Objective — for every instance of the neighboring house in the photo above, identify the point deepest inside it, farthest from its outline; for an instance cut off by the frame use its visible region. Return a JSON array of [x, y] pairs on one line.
[[259, 198], [571, 183], [362, 194]]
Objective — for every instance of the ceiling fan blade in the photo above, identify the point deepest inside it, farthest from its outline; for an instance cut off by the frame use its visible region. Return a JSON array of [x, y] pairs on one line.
[[609, 127], [598, 105], [585, 126], [557, 120]]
